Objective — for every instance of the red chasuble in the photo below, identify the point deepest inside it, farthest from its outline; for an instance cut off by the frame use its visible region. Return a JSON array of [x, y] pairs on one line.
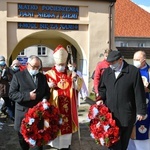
[[64, 96]]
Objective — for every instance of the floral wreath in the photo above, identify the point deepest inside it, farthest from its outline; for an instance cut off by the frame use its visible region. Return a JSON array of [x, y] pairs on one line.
[[102, 127], [41, 124]]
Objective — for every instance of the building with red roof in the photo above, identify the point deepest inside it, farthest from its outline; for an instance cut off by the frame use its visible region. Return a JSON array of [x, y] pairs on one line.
[[132, 28]]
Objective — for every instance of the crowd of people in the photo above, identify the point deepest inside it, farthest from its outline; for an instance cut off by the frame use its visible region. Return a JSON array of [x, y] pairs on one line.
[[122, 87]]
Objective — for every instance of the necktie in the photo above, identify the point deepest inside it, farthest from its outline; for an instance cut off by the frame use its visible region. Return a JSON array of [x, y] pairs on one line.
[[34, 79]]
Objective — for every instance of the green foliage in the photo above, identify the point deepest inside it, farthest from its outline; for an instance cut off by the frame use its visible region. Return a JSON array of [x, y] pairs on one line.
[[92, 96]]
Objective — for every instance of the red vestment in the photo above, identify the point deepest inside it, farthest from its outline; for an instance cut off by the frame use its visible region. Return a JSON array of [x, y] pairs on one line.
[[64, 96]]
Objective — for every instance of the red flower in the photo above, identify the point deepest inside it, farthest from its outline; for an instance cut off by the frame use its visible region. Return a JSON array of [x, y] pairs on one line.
[[41, 124], [102, 126]]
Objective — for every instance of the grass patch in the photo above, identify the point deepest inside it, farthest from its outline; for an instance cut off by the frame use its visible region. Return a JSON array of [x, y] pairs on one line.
[[92, 96]]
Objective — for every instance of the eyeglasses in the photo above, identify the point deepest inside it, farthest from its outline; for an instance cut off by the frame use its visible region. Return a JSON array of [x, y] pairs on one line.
[[35, 67]]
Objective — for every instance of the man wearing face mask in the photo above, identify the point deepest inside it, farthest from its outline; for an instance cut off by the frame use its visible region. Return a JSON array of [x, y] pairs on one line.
[[27, 88], [5, 78], [64, 86], [140, 138], [122, 90], [14, 68]]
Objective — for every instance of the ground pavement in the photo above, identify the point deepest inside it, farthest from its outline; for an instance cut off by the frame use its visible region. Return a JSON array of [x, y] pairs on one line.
[[9, 139]]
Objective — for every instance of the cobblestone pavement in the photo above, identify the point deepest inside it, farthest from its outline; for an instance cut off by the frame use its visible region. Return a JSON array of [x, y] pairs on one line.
[[9, 139]]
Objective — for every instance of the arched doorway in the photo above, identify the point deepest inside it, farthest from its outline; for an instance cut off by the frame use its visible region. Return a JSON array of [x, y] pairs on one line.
[[52, 39]]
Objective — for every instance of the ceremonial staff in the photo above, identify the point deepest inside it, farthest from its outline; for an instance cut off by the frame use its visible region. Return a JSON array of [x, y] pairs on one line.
[[71, 55]]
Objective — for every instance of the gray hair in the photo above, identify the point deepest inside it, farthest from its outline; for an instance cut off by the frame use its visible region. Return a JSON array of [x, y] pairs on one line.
[[30, 58]]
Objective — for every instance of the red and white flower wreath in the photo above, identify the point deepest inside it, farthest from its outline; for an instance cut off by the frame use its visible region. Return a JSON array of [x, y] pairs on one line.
[[41, 124], [103, 127]]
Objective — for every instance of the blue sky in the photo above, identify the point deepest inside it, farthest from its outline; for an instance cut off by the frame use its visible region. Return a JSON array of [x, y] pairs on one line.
[[145, 4], [142, 2]]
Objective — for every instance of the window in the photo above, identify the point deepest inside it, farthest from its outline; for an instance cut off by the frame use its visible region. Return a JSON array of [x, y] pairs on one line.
[[22, 53], [42, 51], [141, 45], [124, 44]]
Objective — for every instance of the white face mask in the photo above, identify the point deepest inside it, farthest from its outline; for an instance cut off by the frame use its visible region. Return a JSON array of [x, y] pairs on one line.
[[115, 66], [60, 68], [137, 63], [71, 68], [33, 72]]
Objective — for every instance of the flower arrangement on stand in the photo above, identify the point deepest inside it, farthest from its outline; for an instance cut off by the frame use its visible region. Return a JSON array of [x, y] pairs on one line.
[[41, 124], [103, 127]]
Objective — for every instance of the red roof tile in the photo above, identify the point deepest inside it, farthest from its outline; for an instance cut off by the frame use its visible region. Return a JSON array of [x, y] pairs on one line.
[[131, 20]]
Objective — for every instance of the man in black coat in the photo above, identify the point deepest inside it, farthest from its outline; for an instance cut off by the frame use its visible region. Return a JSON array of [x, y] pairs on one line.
[[121, 89], [27, 92]]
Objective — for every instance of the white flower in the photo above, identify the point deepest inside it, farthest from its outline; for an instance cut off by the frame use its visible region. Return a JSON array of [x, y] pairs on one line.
[[102, 141], [95, 112], [44, 100], [32, 142], [46, 123], [106, 128], [92, 135], [31, 120], [98, 125], [88, 120], [45, 106], [60, 121]]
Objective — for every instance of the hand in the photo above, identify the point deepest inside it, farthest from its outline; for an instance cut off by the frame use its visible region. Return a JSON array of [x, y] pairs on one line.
[[97, 94], [52, 84], [100, 102], [140, 117], [33, 95], [147, 90]]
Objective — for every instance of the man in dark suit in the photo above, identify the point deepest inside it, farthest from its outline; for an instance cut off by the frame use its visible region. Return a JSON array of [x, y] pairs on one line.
[[122, 90], [27, 92]]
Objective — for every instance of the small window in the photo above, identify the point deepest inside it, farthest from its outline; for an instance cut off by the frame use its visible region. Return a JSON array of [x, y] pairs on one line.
[[42, 51], [141, 45], [124, 44], [22, 53]]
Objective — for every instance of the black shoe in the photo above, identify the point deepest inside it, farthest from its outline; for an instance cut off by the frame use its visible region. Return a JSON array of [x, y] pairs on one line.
[[4, 110], [12, 118], [66, 148]]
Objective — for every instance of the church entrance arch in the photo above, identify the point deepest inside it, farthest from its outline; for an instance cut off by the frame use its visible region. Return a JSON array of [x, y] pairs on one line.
[[51, 39]]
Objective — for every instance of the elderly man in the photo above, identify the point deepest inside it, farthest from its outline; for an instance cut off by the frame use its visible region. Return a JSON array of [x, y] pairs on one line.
[[27, 88], [121, 89], [64, 86], [140, 139], [15, 66]]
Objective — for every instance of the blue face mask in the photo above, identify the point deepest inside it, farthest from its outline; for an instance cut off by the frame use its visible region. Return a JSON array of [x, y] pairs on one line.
[[2, 63], [33, 72], [15, 68]]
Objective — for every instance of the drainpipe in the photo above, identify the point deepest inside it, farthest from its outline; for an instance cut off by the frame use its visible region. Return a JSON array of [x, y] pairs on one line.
[[110, 24]]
